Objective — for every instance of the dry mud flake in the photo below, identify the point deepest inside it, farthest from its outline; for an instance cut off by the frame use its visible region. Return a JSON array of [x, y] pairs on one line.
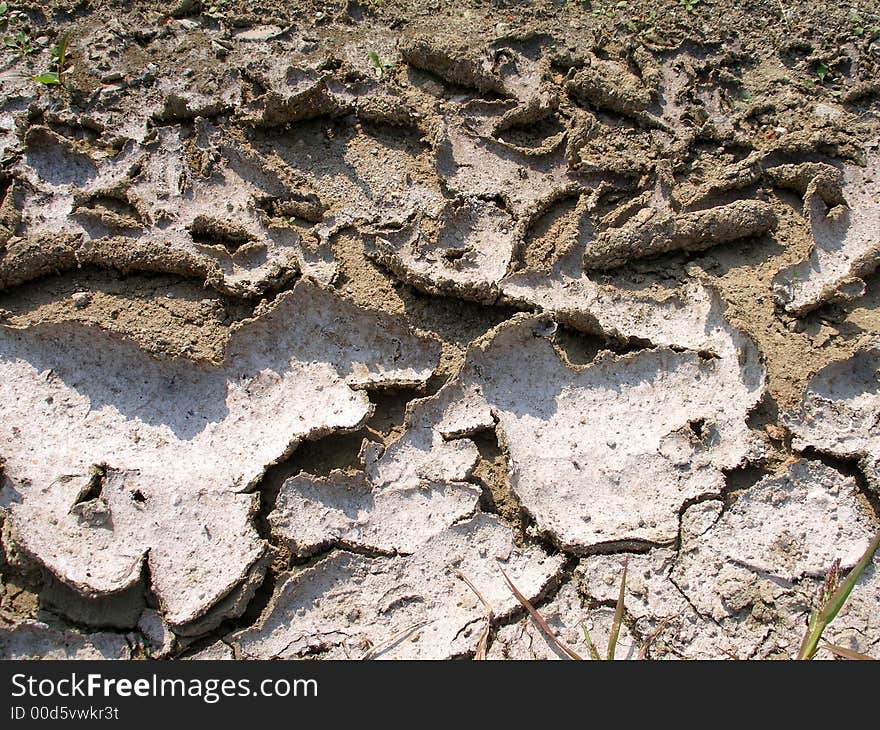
[[290, 94], [406, 494], [112, 458], [36, 640], [840, 411], [401, 607], [745, 578], [846, 239], [347, 510], [194, 203], [510, 69], [690, 317], [662, 231], [750, 566], [466, 255], [473, 165], [576, 436], [566, 614], [214, 652]]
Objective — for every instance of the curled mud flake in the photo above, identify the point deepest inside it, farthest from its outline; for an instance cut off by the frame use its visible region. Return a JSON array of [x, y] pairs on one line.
[[75, 397], [690, 317], [198, 208], [403, 607], [476, 167], [840, 411], [431, 448], [610, 86], [664, 231], [846, 240], [363, 177], [283, 94], [386, 108], [560, 428], [232, 605], [467, 256], [36, 640], [566, 615], [453, 60], [759, 564], [817, 177], [410, 491], [209, 97]]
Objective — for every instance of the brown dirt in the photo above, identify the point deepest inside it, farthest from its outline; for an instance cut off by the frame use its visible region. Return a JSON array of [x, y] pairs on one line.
[[774, 64]]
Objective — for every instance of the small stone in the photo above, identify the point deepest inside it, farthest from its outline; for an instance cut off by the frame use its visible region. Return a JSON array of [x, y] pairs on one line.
[[827, 112], [81, 299]]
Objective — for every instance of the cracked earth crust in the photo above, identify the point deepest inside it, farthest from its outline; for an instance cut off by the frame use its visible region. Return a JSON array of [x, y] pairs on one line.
[[316, 317]]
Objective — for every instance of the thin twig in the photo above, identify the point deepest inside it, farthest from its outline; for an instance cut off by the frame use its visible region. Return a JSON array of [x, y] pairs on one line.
[[643, 652], [784, 15], [483, 643], [847, 653], [393, 641], [544, 626]]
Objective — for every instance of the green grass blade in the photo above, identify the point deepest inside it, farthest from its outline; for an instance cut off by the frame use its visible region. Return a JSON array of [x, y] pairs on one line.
[[594, 653], [618, 614], [48, 78], [61, 47], [811, 638]]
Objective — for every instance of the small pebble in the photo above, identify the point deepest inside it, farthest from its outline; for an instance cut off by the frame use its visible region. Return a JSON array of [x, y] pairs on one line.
[[81, 299]]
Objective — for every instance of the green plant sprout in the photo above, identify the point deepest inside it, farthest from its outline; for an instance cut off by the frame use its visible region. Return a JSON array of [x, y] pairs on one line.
[[615, 625], [821, 72], [20, 43], [792, 284], [378, 64], [59, 69], [7, 14], [689, 5], [217, 9], [606, 10], [860, 28]]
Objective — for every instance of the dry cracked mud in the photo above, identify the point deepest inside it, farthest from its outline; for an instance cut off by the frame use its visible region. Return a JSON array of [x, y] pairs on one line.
[[315, 318]]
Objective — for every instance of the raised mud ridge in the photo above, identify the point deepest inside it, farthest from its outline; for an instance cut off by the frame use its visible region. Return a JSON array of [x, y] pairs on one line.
[[524, 247]]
